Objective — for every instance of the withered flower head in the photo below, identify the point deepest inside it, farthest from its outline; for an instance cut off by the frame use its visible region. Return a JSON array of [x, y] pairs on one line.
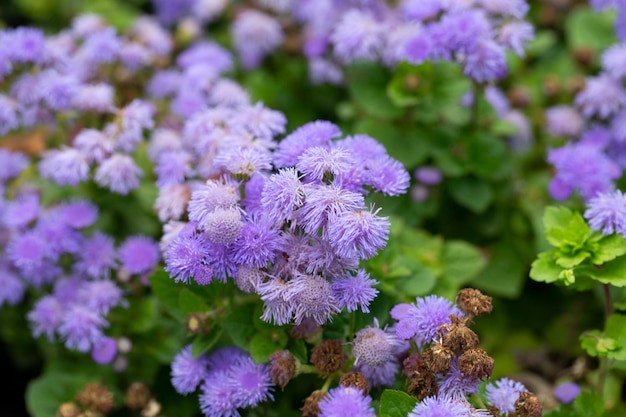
[[328, 356], [528, 405], [437, 358], [420, 381], [475, 363], [458, 337], [307, 329], [473, 303], [68, 410], [311, 406], [355, 379], [137, 396], [96, 397], [283, 367], [197, 323]]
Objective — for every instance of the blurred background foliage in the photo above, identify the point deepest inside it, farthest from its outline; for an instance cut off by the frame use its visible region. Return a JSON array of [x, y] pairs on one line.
[[480, 227]]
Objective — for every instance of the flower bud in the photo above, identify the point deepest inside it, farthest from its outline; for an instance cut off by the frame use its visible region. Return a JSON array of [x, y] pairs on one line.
[[355, 379], [328, 356], [528, 405], [283, 367]]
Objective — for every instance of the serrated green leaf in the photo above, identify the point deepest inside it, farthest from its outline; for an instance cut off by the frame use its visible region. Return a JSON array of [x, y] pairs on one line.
[[589, 341], [190, 302], [263, 344], [472, 193], [565, 229], [202, 343], [544, 268], [613, 272], [608, 248], [461, 261], [566, 260], [394, 403]]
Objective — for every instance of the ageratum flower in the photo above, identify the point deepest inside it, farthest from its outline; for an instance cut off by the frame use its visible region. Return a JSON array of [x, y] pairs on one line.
[[346, 401], [81, 327], [46, 316], [104, 350], [139, 254], [66, 166], [187, 372], [438, 406], [97, 256], [602, 96], [119, 173], [251, 383], [354, 291], [566, 392], [503, 394], [357, 36], [606, 212], [255, 34], [12, 287], [317, 133]]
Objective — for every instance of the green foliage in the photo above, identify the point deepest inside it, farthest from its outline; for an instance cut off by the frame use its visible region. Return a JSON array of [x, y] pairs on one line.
[[395, 403]]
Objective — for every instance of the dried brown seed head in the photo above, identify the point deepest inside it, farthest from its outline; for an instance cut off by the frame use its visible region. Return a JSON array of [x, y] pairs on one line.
[[68, 410], [311, 406], [528, 405], [328, 356], [96, 397], [475, 363], [437, 358], [283, 366], [459, 338], [473, 303], [137, 396], [355, 379]]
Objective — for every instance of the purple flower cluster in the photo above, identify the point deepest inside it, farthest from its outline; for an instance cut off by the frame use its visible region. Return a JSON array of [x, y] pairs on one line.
[[298, 235], [228, 379]]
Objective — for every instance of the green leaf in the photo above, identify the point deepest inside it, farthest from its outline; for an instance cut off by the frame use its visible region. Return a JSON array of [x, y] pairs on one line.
[[461, 261], [609, 248], [297, 347], [565, 229], [190, 302], [46, 393], [142, 315], [505, 272], [589, 404], [488, 156], [472, 193], [412, 277], [588, 28], [394, 403], [589, 341], [613, 272], [263, 344], [367, 84], [166, 290], [544, 268], [239, 325], [202, 343]]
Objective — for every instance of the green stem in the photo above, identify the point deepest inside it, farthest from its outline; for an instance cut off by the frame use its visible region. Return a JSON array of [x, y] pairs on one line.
[[608, 303], [478, 401], [602, 374], [478, 89]]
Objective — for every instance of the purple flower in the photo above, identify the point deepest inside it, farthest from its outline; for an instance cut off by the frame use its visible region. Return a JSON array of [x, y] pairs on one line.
[[354, 291], [95, 145], [100, 46], [242, 161], [20, 212], [119, 173], [317, 133], [164, 83], [614, 61], [602, 96], [23, 44], [439, 406], [12, 163], [64, 166], [357, 36], [514, 8], [171, 202], [322, 71], [79, 214], [260, 121], [250, 382], [46, 317], [172, 167], [311, 296], [104, 350], [282, 194], [170, 11], [422, 320], [420, 9], [417, 49], [503, 394], [277, 308], [255, 34], [382, 375], [456, 384], [8, 114], [373, 346], [566, 392], [211, 196], [101, 295], [217, 399], [57, 89], [324, 201], [428, 175], [206, 52], [224, 358], [94, 97], [485, 61], [223, 226], [186, 258], [322, 164], [188, 372], [563, 120], [387, 175], [97, 256], [258, 244], [606, 212], [139, 254], [225, 92], [360, 232], [81, 327], [346, 401], [514, 35], [12, 287], [28, 252]]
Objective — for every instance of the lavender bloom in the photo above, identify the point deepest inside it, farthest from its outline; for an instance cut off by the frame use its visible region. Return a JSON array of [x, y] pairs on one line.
[[258, 245], [514, 35], [456, 384], [100, 46], [581, 167], [373, 346], [79, 214], [186, 258], [346, 401], [12, 163], [563, 120], [119, 173], [171, 202], [422, 320], [12, 288], [360, 232], [357, 36], [21, 211], [217, 398], [420, 9], [606, 212], [188, 372], [250, 382], [94, 97], [57, 90], [164, 83], [486, 61], [208, 10], [618, 126], [503, 394], [8, 115], [566, 392], [207, 53], [323, 164], [172, 167], [276, 308], [209, 197], [138, 115], [614, 61], [81, 327], [104, 350], [318, 133], [224, 358], [323, 71], [464, 30], [134, 56], [242, 161], [514, 8], [225, 92], [441, 405], [354, 291], [170, 11], [387, 175], [311, 296], [282, 194], [417, 49], [139, 254], [223, 226], [255, 34], [101, 296], [260, 120], [428, 175], [322, 202], [23, 44], [95, 145], [46, 317], [28, 252], [602, 96], [97, 256]]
